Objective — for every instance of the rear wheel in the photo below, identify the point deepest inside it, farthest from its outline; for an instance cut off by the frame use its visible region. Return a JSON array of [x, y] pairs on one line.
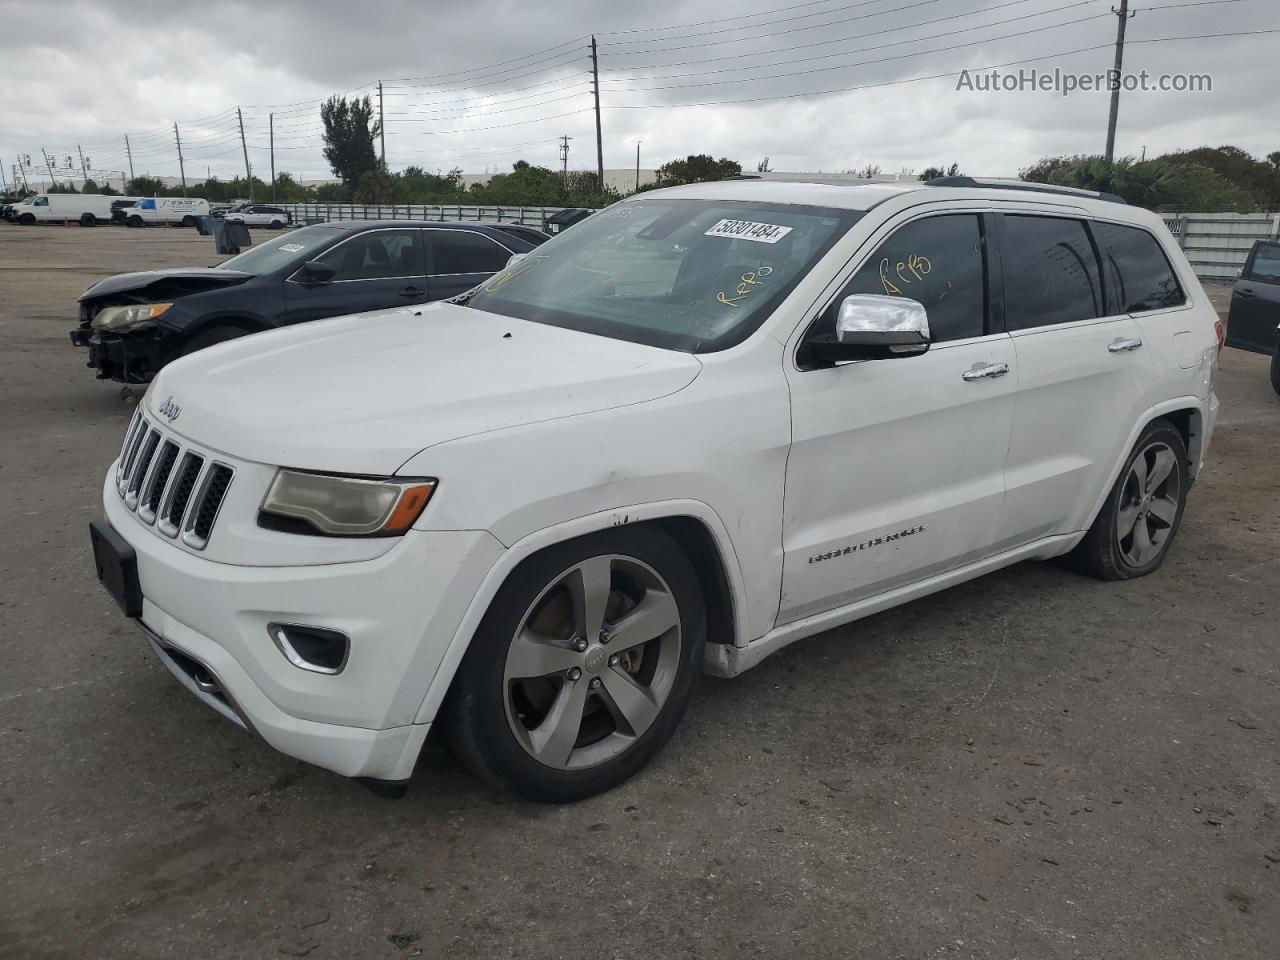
[[276, 224], [1140, 518], [1275, 369], [188, 221], [88, 220], [211, 336], [582, 667]]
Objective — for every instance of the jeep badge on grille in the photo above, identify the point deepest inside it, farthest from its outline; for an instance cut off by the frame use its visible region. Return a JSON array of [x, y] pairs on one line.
[[170, 409]]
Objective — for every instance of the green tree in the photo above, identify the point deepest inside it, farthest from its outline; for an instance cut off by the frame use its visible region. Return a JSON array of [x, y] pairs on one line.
[[146, 187], [932, 173], [349, 132], [1166, 183], [696, 168]]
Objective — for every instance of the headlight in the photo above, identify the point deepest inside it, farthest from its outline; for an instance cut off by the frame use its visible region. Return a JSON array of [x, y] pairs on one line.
[[135, 316], [345, 506]]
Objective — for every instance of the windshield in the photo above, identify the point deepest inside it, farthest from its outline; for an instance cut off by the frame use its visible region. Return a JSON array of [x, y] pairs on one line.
[[691, 275], [293, 248]]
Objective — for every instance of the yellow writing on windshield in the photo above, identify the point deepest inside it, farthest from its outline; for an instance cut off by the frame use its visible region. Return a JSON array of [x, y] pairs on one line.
[[743, 289], [907, 272]]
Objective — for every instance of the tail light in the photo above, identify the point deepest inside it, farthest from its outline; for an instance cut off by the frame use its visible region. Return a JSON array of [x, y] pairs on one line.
[[1220, 328]]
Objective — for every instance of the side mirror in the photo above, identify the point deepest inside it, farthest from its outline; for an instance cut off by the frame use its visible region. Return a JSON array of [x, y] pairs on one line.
[[313, 271], [515, 258], [874, 327]]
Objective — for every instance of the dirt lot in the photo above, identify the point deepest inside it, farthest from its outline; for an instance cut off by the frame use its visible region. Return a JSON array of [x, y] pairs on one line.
[[1034, 765]]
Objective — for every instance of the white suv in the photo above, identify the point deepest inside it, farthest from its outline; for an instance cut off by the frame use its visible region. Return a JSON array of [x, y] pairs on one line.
[[701, 425]]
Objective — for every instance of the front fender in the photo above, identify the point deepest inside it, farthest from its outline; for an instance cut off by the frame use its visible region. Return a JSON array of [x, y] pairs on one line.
[[568, 530]]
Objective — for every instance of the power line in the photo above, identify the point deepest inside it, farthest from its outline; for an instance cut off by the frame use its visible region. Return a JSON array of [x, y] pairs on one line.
[[932, 76]]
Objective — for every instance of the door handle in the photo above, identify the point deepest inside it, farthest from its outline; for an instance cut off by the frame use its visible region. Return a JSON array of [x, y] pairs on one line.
[[412, 292], [1124, 344], [982, 371], [1245, 293]]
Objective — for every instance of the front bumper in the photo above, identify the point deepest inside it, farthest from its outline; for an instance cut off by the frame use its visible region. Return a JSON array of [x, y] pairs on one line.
[[400, 610], [127, 358]]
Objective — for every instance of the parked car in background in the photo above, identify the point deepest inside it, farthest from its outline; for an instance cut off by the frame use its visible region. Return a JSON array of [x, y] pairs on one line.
[[135, 323], [523, 231], [695, 428], [86, 209], [1253, 322], [179, 210], [260, 215], [119, 205]]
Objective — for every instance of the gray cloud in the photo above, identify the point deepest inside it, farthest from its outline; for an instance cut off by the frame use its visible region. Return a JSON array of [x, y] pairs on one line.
[[480, 97]]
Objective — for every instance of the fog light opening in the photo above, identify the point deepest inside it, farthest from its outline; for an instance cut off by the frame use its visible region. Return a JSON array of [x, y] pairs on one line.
[[311, 648]]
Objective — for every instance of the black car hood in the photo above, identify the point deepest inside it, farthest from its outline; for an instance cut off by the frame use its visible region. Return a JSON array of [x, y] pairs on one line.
[[167, 284]]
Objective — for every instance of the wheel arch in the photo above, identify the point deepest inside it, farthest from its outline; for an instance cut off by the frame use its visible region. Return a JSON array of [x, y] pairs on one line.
[[692, 524], [1187, 416], [241, 320]]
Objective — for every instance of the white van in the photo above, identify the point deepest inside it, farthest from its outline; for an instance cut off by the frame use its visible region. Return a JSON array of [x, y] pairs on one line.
[[181, 210], [87, 209]]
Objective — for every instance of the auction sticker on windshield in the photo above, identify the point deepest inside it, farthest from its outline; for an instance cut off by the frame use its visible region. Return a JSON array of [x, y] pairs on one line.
[[748, 230], [292, 247]]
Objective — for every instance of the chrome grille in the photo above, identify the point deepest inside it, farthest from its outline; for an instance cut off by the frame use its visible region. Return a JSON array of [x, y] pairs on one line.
[[179, 490]]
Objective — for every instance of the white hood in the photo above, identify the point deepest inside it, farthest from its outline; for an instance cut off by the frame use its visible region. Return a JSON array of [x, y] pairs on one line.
[[364, 393]]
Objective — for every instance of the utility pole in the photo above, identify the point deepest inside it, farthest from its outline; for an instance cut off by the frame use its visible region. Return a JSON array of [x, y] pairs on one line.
[[382, 127], [248, 176], [271, 132], [4, 182], [129, 153], [182, 170], [48, 166], [84, 171], [1123, 15], [564, 158], [638, 142], [595, 89]]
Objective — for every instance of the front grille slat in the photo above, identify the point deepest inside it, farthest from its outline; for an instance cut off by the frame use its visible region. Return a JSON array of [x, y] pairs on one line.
[[177, 488]]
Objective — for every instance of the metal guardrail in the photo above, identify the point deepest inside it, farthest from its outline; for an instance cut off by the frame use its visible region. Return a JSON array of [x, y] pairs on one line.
[[1217, 244], [530, 216]]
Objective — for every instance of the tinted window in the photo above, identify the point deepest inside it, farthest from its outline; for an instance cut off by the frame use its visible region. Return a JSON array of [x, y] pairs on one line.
[[294, 247], [937, 261], [1050, 272], [376, 255], [1266, 263], [1138, 273], [459, 251]]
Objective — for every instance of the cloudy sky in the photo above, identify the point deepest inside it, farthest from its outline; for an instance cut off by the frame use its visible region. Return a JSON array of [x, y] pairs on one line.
[[826, 85]]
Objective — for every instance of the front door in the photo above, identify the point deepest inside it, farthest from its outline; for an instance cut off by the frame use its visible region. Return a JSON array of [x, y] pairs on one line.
[[375, 270], [896, 470], [1255, 301]]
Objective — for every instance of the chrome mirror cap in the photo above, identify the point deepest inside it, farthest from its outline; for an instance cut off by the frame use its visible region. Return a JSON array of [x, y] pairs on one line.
[[898, 324]]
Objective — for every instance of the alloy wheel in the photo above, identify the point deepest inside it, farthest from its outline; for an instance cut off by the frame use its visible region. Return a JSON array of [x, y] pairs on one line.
[[593, 662], [1149, 502]]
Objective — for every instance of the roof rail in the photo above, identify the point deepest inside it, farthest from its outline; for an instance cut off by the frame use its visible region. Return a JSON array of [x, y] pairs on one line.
[[992, 184]]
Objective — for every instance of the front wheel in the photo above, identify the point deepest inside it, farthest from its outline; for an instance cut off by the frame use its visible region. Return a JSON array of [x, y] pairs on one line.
[[135, 221], [211, 336], [1275, 369], [582, 667], [1137, 524], [27, 219]]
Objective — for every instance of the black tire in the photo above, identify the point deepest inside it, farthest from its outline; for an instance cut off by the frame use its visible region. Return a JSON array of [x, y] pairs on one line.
[[1275, 369], [475, 712], [88, 220], [276, 225], [1102, 552], [211, 336], [27, 219], [188, 221], [135, 221]]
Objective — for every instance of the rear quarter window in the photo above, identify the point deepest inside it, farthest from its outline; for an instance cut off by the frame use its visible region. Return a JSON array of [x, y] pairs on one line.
[[1138, 275]]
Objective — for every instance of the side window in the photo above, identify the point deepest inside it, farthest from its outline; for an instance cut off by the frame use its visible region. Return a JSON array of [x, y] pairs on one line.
[[1137, 272], [460, 251], [380, 254], [937, 261], [1050, 272], [41, 202], [1266, 263]]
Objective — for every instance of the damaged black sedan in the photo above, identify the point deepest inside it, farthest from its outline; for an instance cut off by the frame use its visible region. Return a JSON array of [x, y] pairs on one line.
[[135, 323]]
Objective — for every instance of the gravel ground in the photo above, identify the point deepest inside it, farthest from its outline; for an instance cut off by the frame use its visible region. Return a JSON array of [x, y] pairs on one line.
[[1032, 765]]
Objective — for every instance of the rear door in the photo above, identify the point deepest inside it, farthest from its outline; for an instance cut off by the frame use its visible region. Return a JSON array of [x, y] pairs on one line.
[[1083, 374], [459, 259], [375, 270], [1255, 301]]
